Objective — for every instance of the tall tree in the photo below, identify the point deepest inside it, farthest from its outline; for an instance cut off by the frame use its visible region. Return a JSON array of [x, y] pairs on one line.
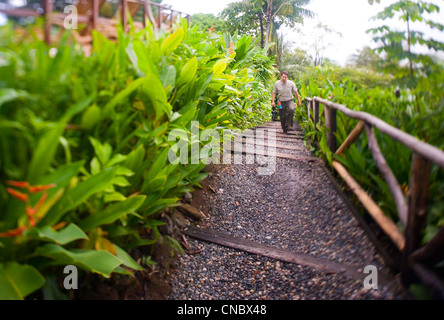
[[265, 17], [397, 45]]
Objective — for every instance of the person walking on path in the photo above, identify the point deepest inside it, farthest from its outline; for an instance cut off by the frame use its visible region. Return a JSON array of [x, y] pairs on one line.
[[285, 89]]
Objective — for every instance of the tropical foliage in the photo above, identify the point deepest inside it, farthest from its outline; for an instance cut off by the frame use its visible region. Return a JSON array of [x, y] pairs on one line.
[[415, 106], [84, 170]]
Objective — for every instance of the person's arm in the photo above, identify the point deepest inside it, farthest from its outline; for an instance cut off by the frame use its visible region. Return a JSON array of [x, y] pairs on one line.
[[273, 98], [297, 97]]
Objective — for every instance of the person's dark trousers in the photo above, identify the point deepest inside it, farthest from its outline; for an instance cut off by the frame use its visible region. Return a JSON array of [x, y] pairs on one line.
[[287, 115]]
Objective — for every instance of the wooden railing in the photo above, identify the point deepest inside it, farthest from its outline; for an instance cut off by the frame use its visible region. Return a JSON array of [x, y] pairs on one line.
[[161, 17], [416, 260]]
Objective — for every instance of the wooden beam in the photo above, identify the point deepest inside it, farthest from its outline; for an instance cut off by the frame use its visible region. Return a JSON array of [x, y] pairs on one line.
[[352, 137], [321, 264], [431, 280], [20, 12], [279, 146], [426, 150], [432, 252], [387, 225], [388, 175], [274, 154]]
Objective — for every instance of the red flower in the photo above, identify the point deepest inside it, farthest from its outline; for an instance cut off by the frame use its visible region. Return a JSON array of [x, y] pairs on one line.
[[13, 233], [30, 211], [211, 30], [21, 196], [35, 189], [19, 184]]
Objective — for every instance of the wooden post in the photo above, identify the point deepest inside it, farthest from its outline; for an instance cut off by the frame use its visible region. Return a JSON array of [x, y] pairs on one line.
[[47, 8], [123, 13], [311, 111], [159, 17], [316, 114], [171, 19], [330, 121], [309, 107], [95, 14], [417, 212]]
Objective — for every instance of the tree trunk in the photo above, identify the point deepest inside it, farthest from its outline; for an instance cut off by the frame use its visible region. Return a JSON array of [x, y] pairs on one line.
[[409, 45], [268, 17], [261, 22]]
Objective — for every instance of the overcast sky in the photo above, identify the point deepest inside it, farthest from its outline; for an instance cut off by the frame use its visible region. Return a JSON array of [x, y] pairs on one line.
[[350, 18]]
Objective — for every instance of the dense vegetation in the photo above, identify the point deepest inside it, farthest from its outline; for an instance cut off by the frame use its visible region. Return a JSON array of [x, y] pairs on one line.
[[84, 170], [405, 89], [84, 142]]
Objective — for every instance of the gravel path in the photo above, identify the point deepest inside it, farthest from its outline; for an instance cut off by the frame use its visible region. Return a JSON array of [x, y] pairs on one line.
[[298, 209]]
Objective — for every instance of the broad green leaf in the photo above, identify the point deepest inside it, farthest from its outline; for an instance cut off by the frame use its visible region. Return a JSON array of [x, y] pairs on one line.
[[91, 117], [18, 281], [172, 41], [74, 197], [102, 151], [8, 94], [135, 158], [219, 67], [127, 259], [168, 77], [114, 196], [112, 213], [155, 184], [118, 158], [158, 164], [121, 96], [44, 152], [154, 92], [188, 72], [156, 206], [78, 107], [140, 57], [101, 262], [64, 236]]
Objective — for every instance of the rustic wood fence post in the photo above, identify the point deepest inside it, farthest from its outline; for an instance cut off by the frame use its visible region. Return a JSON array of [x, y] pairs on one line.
[[316, 114], [123, 4], [417, 213], [330, 122], [47, 8]]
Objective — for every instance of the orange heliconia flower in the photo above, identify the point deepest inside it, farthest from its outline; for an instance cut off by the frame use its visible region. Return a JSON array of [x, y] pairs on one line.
[[35, 189], [231, 50], [19, 195], [30, 211], [211, 30], [13, 233], [19, 184]]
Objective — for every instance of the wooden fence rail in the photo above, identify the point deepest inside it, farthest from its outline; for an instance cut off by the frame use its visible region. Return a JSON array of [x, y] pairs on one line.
[[160, 17], [416, 261]]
